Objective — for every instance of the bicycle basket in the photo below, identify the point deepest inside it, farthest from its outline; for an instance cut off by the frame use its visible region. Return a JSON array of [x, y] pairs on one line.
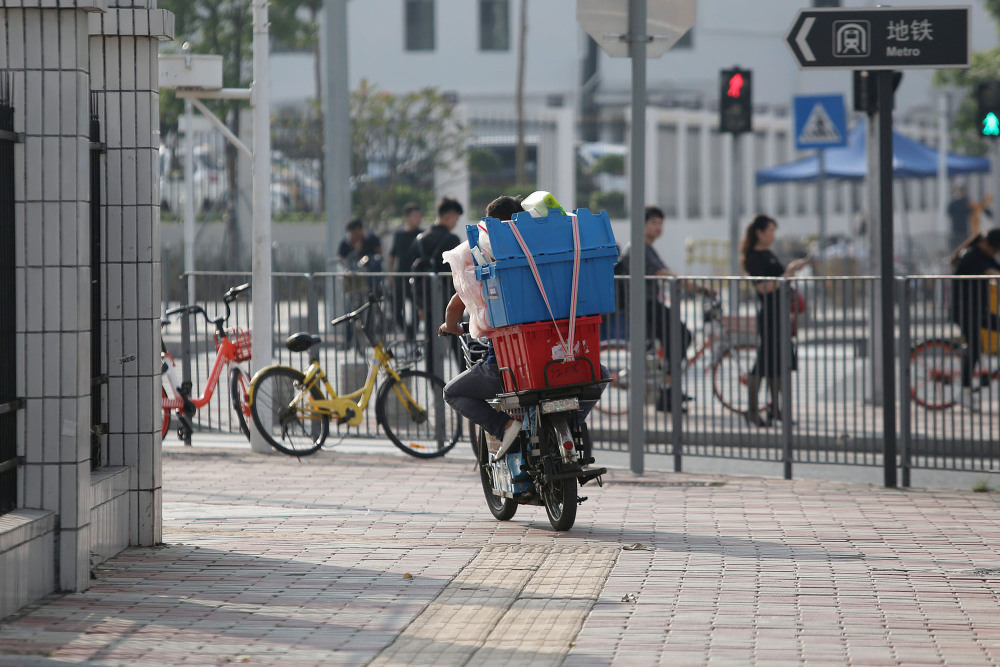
[[406, 353], [241, 339]]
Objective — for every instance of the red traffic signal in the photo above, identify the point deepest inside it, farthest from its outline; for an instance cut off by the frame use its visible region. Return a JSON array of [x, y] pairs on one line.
[[735, 85], [735, 100]]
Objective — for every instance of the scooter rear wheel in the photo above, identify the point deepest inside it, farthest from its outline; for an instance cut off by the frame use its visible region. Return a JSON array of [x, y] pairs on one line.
[[559, 495], [501, 508]]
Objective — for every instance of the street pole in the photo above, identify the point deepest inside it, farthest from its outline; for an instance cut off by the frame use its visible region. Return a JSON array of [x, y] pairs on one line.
[[942, 226], [336, 139], [261, 102], [189, 233], [887, 277], [637, 255], [821, 197], [735, 197]]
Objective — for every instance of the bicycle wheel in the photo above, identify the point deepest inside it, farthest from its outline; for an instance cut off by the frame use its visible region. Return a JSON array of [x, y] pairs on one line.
[[615, 355], [415, 415], [296, 430], [559, 494], [502, 509], [729, 378], [474, 434], [166, 418], [935, 374], [239, 394]]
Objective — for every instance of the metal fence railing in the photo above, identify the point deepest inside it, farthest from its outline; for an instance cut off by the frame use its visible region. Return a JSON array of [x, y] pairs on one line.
[[10, 461], [818, 401]]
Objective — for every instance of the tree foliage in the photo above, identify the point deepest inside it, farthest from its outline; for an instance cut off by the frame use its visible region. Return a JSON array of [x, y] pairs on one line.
[[984, 66], [399, 140]]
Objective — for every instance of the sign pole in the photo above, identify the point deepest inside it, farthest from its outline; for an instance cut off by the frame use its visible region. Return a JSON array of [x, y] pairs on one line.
[[637, 254], [735, 197], [821, 196], [887, 278]]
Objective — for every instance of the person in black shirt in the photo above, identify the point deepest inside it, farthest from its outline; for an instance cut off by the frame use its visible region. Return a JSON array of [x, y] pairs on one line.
[[970, 302], [360, 252], [758, 260], [658, 314], [427, 249], [401, 260]]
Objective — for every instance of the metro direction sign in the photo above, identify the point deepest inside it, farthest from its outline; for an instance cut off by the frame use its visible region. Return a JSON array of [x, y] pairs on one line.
[[880, 38]]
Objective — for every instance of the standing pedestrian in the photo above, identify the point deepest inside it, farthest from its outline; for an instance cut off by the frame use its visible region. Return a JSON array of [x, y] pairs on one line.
[[401, 259], [360, 252], [970, 307], [657, 313], [959, 209], [758, 260], [427, 249]]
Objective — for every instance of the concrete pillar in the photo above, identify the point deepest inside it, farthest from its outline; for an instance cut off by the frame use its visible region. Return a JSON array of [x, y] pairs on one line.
[[46, 50], [123, 49]]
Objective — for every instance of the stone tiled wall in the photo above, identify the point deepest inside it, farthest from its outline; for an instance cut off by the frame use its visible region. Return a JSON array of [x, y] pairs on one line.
[[58, 51], [47, 50], [124, 74]]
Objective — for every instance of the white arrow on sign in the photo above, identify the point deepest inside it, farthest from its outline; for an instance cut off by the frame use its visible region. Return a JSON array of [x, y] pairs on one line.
[[800, 39]]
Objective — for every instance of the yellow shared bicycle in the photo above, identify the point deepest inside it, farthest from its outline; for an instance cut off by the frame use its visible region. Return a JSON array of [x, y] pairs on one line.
[[292, 412]]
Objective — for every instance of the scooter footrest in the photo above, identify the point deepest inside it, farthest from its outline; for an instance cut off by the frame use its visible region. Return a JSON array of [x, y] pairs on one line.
[[593, 473]]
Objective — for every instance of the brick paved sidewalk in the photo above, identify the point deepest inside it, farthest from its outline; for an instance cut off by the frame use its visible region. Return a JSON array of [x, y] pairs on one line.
[[347, 558]]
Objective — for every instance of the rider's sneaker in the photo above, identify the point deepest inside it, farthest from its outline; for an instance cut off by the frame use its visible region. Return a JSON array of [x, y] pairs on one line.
[[492, 443], [509, 437], [969, 400]]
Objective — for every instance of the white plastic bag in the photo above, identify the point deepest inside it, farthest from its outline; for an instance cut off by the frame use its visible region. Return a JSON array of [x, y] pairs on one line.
[[463, 275], [484, 242]]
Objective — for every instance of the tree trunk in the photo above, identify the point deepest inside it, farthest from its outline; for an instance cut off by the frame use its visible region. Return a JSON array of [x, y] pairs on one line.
[[519, 152]]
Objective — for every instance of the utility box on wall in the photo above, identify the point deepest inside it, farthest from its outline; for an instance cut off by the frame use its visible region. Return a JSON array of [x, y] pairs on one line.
[[191, 71]]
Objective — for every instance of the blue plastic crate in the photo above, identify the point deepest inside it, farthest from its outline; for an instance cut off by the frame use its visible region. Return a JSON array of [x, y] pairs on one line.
[[509, 288], [552, 234]]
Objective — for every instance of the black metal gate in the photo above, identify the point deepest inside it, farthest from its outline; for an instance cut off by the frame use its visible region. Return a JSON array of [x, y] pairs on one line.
[[9, 403], [98, 380]]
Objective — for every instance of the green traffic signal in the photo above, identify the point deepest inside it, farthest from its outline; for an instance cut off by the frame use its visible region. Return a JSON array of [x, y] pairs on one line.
[[991, 125]]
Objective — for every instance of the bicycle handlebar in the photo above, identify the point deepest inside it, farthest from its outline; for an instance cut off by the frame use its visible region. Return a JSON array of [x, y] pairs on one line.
[[372, 300], [232, 294]]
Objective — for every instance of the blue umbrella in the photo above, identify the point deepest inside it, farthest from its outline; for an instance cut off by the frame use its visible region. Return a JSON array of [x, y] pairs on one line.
[[910, 159]]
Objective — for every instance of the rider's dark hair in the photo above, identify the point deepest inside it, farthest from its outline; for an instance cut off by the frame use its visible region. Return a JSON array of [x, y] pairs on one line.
[[504, 207], [354, 223], [449, 205], [759, 224], [654, 212]]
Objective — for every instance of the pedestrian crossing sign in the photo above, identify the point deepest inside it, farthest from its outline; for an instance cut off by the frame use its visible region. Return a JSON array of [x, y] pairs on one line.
[[820, 121]]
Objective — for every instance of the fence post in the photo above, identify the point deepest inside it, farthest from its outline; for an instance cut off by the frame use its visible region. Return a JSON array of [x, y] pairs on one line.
[[903, 352], [784, 397], [312, 304], [676, 352], [435, 361]]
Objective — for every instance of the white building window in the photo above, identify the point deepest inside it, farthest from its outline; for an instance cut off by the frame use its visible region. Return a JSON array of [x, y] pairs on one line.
[[419, 25], [494, 25]]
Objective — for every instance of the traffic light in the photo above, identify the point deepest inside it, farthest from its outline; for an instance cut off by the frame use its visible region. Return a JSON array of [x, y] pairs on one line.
[[988, 97], [735, 100]]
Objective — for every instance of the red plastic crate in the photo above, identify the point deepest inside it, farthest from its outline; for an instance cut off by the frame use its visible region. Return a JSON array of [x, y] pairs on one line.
[[528, 348]]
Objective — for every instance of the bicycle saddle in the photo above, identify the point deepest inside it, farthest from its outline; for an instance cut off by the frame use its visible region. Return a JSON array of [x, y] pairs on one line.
[[301, 342]]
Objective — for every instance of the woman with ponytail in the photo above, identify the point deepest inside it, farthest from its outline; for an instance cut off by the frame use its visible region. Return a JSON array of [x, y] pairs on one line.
[[756, 259]]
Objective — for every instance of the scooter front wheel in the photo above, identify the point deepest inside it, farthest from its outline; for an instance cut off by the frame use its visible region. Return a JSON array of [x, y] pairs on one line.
[[501, 508]]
